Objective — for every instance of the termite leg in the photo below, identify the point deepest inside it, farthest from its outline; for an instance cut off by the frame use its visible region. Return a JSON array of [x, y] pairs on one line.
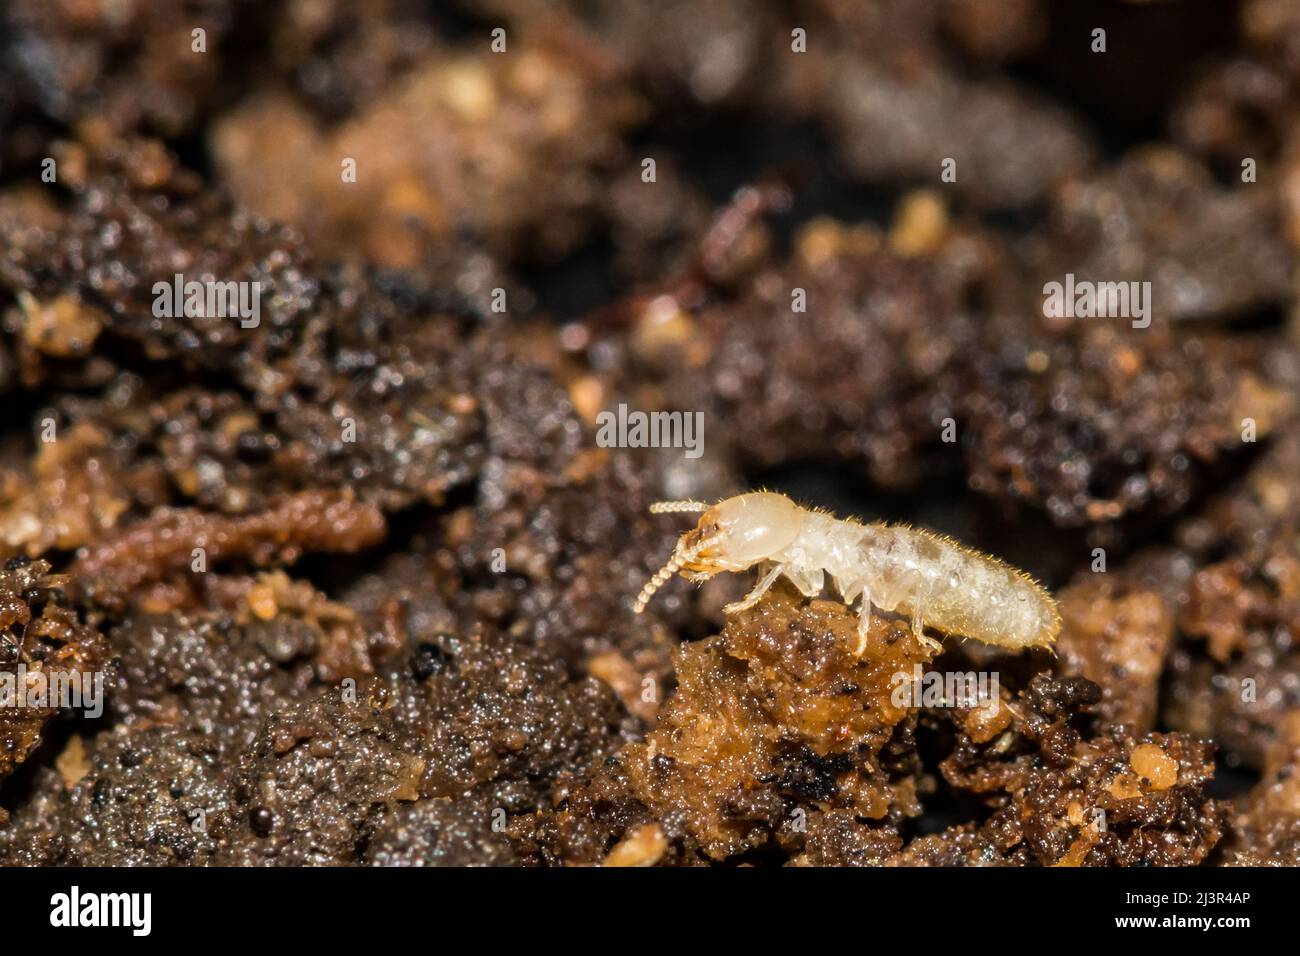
[[750, 599], [809, 583], [865, 612], [918, 631]]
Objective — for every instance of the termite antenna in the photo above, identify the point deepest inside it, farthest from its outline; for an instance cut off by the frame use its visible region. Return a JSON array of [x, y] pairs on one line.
[[661, 576], [673, 507], [656, 582]]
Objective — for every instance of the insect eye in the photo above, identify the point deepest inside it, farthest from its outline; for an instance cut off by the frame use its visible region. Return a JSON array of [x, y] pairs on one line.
[[704, 530]]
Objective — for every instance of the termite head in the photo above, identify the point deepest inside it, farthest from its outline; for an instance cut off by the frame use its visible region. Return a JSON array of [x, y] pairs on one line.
[[732, 535]]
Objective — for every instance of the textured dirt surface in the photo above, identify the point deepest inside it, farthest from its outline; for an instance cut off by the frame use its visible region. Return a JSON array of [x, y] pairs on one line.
[[41, 642], [357, 576]]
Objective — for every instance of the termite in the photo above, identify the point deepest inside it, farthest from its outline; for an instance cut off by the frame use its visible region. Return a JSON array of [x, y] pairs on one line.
[[936, 581]]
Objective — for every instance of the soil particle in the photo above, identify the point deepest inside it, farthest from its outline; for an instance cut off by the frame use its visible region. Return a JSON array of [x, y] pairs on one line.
[[45, 650]]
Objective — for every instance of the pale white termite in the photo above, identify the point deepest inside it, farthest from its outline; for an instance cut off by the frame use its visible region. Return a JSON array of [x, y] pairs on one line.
[[934, 580]]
